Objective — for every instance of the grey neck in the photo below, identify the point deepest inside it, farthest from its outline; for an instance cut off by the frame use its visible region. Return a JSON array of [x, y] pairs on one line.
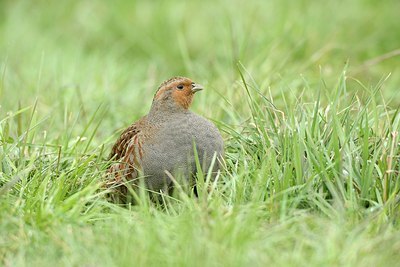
[[163, 110]]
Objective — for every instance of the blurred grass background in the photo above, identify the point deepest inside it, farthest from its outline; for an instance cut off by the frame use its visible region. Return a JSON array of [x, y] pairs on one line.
[[74, 72]]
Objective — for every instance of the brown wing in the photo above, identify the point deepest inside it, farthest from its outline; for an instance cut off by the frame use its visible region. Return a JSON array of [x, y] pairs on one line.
[[127, 151], [120, 147]]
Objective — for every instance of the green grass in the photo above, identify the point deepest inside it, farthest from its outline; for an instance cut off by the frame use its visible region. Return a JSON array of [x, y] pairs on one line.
[[305, 93]]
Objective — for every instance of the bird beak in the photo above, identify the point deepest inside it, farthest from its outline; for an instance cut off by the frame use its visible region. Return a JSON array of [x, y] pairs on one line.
[[197, 87]]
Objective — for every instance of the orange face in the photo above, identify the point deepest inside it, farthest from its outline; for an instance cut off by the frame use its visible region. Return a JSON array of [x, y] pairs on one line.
[[180, 89]]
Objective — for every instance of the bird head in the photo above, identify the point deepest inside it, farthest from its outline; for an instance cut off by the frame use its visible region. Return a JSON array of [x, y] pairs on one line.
[[176, 93]]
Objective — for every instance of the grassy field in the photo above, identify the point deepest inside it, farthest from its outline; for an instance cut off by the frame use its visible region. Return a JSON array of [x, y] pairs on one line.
[[305, 93]]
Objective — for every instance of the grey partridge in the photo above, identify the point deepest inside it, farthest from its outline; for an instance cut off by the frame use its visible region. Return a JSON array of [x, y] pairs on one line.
[[161, 144]]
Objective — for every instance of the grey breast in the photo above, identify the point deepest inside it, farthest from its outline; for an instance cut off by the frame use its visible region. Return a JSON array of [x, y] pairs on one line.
[[172, 148]]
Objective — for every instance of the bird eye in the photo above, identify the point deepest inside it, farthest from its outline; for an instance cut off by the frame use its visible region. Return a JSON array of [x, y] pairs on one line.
[[180, 87]]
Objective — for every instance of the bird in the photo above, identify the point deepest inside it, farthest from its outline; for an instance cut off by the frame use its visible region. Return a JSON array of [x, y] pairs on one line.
[[162, 145]]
